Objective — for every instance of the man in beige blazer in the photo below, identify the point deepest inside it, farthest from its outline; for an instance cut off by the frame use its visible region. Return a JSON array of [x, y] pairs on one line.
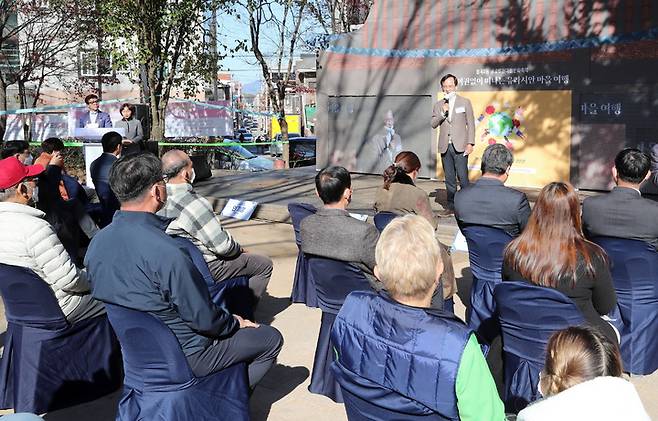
[[454, 117]]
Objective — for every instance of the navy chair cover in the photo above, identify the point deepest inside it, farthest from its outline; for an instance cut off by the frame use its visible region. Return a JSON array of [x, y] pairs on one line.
[[303, 287], [359, 409], [334, 281], [47, 363], [159, 383], [109, 203], [382, 219], [635, 275], [528, 316], [485, 254], [231, 294]]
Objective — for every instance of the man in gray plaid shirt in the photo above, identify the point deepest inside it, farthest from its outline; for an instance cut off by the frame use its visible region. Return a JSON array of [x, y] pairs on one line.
[[195, 219]]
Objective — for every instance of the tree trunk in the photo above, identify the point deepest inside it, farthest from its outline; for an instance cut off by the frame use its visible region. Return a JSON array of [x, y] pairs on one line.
[[22, 97], [155, 95], [3, 107]]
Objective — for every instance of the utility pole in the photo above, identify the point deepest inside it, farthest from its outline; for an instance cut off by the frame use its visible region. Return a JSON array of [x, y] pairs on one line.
[[213, 50]]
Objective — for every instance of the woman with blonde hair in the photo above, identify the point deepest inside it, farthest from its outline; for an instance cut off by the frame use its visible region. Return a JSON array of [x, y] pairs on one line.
[[552, 252], [399, 359], [582, 380]]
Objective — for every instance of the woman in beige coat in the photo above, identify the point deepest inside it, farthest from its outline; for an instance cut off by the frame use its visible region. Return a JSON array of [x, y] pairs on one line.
[[400, 195]]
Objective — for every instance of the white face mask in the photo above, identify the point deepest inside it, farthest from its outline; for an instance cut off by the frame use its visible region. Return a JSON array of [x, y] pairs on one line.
[[450, 96], [192, 177]]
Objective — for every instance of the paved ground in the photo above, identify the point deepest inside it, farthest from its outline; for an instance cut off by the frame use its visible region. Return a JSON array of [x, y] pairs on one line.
[[283, 394]]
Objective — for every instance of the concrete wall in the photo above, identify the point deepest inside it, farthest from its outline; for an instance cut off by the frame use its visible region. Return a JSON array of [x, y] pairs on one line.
[[597, 52]]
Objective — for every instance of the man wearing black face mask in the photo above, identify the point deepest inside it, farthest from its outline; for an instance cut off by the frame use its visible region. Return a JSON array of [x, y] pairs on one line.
[[194, 219]]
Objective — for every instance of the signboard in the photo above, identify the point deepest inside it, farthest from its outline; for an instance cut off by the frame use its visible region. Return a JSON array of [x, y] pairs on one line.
[[239, 209], [294, 125]]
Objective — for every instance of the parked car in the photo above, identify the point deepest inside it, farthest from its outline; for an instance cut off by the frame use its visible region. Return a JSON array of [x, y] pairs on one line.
[[237, 157], [302, 151], [244, 135], [276, 149]]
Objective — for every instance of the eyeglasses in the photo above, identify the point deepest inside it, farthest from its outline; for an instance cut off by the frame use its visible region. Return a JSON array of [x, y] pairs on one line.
[[93, 101]]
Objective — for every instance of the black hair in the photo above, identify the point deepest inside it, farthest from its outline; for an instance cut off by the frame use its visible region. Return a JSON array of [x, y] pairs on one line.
[[13, 147], [394, 174], [52, 144], [331, 183], [496, 159], [131, 107], [133, 175], [446, 77], [632, 165], [90, 97], [110, 141]]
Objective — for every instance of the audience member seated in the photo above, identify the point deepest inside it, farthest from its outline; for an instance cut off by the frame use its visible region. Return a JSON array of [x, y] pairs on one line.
[[400, 195], [133, 263], [487, 201], [195, 219], [552, 252], [623, 212], [63, 200], [18, 148], [398, 357], [331, 232], [582, 380], [100, 175], [28, 241]]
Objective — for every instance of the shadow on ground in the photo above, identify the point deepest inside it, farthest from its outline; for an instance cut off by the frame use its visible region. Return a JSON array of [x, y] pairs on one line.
[[464, 284], [277, 383], [269, 307]]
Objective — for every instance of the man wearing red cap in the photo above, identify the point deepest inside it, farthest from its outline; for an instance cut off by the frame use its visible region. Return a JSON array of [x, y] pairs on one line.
[[28, 241]]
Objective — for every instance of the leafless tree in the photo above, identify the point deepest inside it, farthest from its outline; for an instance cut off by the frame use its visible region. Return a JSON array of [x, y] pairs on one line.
[[284, 19]]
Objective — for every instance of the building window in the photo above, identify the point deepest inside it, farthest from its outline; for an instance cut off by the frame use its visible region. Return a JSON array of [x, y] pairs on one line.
[[89, 63]]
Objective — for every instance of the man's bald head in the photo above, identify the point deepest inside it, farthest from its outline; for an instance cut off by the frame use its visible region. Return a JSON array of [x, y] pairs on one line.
[[177, 167]]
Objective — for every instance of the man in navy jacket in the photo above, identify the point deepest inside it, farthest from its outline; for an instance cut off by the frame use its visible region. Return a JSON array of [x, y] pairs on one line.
[[135, 264], [94, 118]]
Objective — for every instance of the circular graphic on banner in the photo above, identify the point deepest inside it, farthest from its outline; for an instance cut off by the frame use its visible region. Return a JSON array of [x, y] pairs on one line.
[[500, 124]]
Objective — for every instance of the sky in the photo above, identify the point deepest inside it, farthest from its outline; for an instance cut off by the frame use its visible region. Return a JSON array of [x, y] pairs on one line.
[[244, 65]]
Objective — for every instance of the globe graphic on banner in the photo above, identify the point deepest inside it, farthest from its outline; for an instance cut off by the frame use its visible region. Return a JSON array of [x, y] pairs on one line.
[[500, 124]]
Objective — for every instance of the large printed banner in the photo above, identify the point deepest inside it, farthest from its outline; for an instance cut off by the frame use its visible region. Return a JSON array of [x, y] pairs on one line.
[[191, 119], [366, 133], [44, 125], [534, 125], [182, 118]]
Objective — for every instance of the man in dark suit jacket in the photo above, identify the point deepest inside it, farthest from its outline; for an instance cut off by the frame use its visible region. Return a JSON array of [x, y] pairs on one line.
[[100, 176], [94, 117], [332, 232], [487, 201], [623, 212], [456, 122]]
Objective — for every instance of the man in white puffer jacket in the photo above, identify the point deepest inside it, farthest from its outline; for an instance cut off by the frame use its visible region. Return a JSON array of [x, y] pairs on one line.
[[28, 241]]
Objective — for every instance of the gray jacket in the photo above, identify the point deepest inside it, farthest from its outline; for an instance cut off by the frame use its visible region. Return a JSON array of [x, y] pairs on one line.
[[333, 233], [622, 213], [133, 129]]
